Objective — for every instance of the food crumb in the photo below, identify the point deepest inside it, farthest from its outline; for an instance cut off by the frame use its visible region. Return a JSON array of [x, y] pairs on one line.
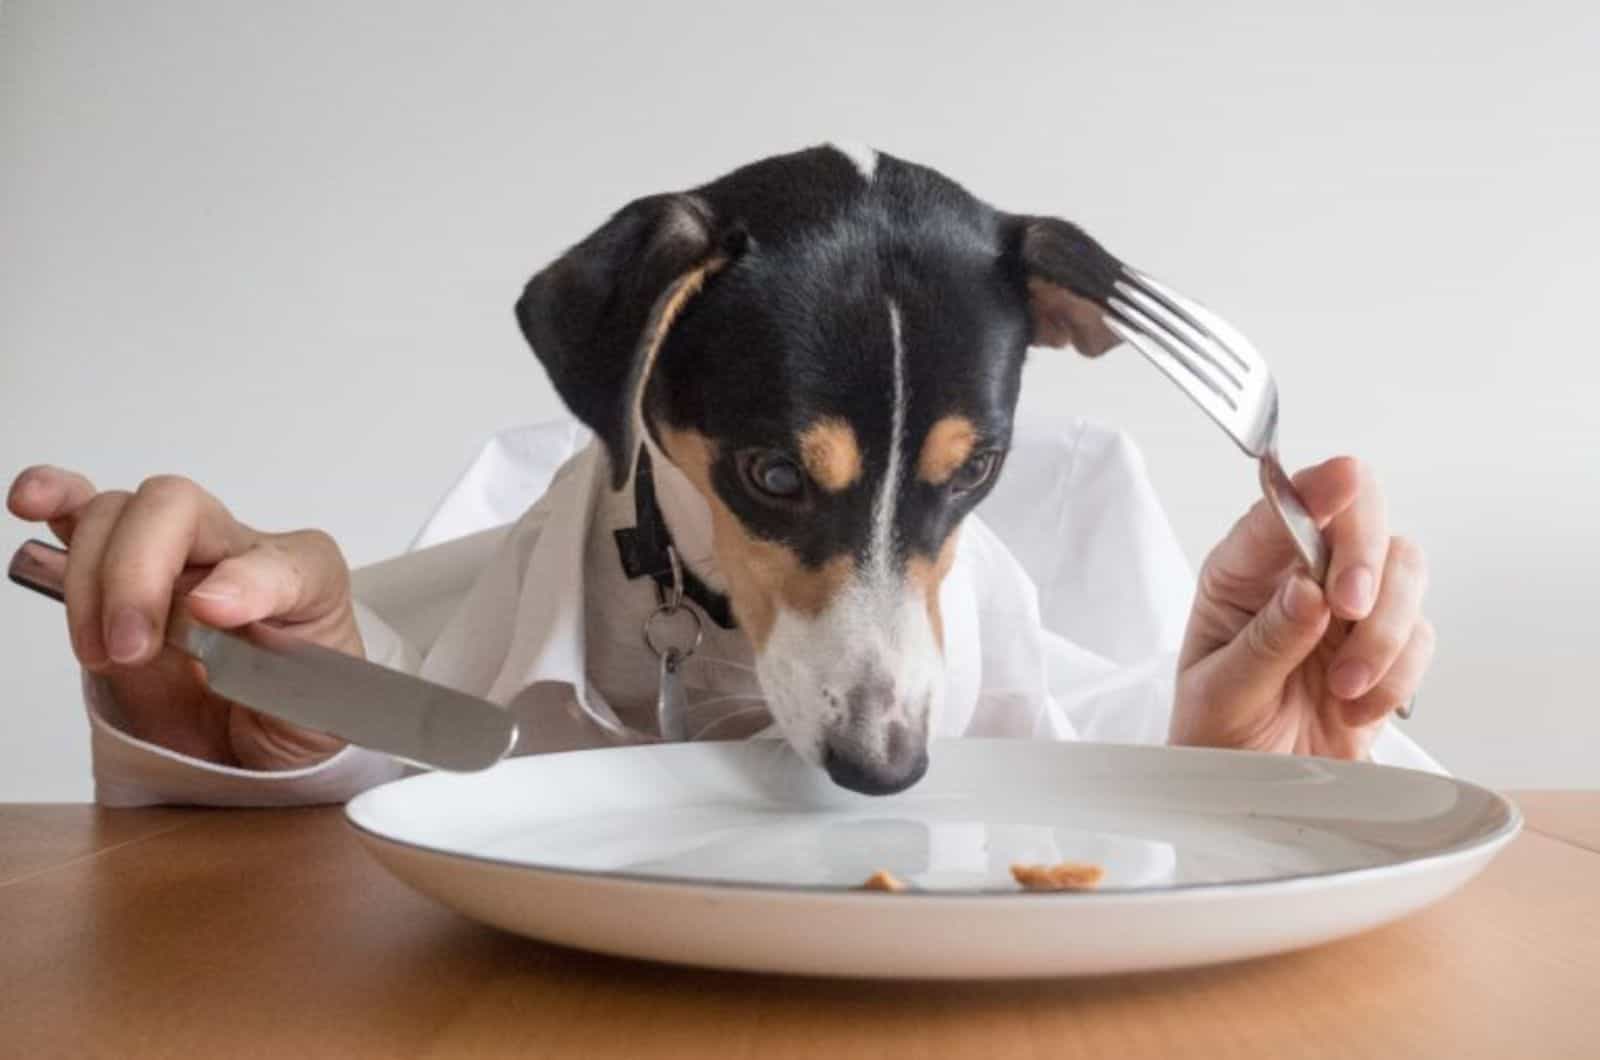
[[882, 880], [1064, 876]]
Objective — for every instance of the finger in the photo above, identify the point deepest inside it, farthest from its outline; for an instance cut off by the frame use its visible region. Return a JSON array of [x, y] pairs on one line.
[[288, 577], [1358, 540], [53, 495], [264, 743], [168, 524], [1401, 682], [95, 522], [1330, 487], [1282, 635], [1376, 641], [1258, 549]]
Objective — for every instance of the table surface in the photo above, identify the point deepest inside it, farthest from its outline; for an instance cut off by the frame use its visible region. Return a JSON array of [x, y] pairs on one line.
[[181, 932]]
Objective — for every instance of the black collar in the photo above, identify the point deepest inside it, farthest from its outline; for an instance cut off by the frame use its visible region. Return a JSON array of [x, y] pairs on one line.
[[643, 548]]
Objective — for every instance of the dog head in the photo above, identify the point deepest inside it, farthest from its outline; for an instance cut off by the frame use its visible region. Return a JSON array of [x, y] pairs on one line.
[[829, 345]]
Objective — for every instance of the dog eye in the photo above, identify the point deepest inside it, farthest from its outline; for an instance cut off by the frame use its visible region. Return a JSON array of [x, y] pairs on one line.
[[774, 475], [975, 472]]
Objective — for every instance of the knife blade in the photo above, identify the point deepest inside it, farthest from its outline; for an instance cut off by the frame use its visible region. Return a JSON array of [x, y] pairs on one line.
[[276, 673]]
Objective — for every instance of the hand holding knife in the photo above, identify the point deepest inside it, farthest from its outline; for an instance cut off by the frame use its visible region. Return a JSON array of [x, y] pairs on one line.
[[318, 688]]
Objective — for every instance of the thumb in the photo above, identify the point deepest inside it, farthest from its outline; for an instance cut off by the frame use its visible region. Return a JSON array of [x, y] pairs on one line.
[[1281, 636]]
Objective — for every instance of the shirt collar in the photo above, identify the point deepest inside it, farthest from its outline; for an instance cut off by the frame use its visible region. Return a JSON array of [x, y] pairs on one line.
[[546, 656]]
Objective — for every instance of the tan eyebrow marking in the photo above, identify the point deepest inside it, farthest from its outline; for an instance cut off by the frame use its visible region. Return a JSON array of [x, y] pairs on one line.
[[948, 445], [829, 450]]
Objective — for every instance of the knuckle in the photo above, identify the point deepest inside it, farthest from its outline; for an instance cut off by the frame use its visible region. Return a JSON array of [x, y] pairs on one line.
[[1266, 639], [168, 489], [319, 541], [1258, 527], [1345, 472], [324, 559], [1427, 637], [1406, 553], [1219, 581], [1384, 643], [1215, 579], [107, 503], [1352, 466], [1407, 557], [274, 568]]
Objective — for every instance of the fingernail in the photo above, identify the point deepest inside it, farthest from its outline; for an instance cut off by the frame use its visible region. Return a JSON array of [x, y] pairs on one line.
[[128, 636], [1300, 599], [1355, 590], [215, 589], [1349, 679]]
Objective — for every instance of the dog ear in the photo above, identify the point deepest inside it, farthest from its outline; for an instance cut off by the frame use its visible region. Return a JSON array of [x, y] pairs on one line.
[[1069, 277], [597, 316]]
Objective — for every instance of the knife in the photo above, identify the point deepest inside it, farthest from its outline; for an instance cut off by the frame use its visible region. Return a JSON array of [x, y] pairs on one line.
[[279, 674]]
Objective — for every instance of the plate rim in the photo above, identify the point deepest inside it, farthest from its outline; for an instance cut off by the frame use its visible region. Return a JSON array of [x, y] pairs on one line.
[[1435, 859]]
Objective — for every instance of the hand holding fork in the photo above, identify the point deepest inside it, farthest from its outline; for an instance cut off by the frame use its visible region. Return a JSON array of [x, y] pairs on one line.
[[1265, 665]]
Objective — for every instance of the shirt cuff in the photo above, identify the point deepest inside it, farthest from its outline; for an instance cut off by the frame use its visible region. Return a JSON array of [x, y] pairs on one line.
[[129, 771]]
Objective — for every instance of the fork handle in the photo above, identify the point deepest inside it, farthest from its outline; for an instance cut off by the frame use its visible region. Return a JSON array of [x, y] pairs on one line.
[[1280, 493]]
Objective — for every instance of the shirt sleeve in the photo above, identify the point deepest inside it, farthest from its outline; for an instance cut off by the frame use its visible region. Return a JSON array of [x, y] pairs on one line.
[[132, 772]]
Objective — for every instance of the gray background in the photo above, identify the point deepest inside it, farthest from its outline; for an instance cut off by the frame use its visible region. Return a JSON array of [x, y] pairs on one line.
[[275, 247]]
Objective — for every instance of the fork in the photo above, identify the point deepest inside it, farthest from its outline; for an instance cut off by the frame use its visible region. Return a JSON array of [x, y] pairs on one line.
[[1220, 369]]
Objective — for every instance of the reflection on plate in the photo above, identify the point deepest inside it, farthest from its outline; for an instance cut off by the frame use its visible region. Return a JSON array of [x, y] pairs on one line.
[[738, 855]]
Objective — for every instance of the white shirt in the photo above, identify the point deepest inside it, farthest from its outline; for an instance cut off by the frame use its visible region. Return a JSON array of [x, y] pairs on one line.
[[1063, 615]]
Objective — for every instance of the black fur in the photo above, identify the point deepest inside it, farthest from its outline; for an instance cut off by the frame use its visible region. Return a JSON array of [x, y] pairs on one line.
[[586, 314], [795, 326], [1066, 255]]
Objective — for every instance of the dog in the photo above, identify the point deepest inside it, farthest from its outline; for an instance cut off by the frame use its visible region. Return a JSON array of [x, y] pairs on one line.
[[829, 345]]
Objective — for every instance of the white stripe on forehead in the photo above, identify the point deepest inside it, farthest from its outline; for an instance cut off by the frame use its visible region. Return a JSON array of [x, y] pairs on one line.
[[863, 157], [880, 552]]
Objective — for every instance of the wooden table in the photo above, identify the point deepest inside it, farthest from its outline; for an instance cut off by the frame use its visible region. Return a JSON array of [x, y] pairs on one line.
[[233, 933]]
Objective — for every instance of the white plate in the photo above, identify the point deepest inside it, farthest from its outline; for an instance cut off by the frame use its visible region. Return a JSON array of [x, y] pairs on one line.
[[736, 855]]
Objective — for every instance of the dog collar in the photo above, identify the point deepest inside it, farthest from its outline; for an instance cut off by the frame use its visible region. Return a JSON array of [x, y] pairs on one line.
[[643, 548]]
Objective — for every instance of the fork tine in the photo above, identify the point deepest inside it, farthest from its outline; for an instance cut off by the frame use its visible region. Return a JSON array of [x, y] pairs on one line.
[[1174, 346], [1212, 402], [1202, 321], [1200, 342]]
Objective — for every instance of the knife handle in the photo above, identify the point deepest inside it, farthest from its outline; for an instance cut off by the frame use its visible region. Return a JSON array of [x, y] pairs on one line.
[[42, 567]]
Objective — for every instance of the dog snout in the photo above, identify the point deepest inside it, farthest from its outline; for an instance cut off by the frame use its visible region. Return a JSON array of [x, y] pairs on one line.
[[882, 745], [855, 764]]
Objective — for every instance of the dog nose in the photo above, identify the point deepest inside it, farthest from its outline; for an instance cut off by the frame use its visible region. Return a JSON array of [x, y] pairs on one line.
[[873, 769]]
